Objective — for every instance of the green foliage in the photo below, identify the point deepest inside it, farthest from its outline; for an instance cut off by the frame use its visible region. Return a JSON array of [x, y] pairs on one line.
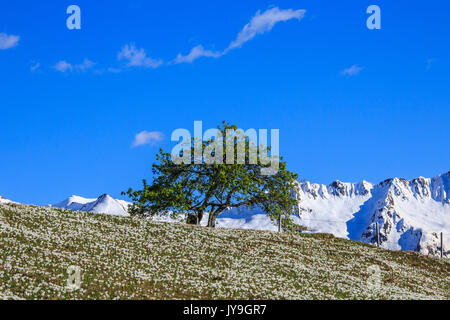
[[197, 187]]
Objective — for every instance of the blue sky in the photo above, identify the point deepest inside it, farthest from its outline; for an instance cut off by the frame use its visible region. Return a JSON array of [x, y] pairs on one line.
[[72, 101]]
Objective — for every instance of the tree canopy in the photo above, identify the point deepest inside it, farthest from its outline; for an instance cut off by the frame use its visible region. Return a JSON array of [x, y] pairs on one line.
[[200, 187]]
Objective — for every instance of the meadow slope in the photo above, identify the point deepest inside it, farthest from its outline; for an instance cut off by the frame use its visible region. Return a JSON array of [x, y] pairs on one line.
[[130, 258]]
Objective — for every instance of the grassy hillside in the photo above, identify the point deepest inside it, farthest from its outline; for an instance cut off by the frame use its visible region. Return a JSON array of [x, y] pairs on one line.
[[126, 258]]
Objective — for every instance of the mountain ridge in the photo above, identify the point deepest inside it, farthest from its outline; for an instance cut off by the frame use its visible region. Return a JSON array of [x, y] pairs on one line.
[[103, 204], [410, 214], [4, 200]]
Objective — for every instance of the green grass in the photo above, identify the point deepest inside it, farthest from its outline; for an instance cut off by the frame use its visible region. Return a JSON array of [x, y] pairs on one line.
[[128, 258]]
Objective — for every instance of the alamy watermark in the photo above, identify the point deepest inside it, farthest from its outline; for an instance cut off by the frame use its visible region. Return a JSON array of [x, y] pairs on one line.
[[374, 281], [374, 20], [209, 147], [74, 20], [74, 278]]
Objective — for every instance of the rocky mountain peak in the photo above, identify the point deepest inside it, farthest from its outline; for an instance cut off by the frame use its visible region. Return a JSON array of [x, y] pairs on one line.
[[410, 213]]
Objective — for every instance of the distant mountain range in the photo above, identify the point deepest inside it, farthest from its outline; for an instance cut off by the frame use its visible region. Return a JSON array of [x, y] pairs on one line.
[[411, 214], [3, 200], [103, 204]]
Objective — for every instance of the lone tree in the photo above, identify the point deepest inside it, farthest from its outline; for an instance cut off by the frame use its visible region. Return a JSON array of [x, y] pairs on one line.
[[201, 185]]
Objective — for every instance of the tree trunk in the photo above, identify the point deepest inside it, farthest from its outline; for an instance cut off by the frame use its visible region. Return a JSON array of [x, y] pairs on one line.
[[191, 218], [199, 217], [212, 220], [194, 217]]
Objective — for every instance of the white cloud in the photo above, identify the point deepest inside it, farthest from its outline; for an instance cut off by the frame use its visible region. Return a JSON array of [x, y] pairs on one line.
[[195, 53], [352, 71], [137, 57], [264, 22], [430, 63], [87, 64], [63, 66], [114, 70], [8, 41], [35, 66], [260, 23], [145, 137]]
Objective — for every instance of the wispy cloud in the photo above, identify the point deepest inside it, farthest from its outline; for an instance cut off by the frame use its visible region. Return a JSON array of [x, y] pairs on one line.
[[114, 70], [196, 53], [86, 64], [146, 137], [35, 66], [430, 63], [63, 66], [260, 23], [264, 22], [352, 71], [137, 57], [8, 41]]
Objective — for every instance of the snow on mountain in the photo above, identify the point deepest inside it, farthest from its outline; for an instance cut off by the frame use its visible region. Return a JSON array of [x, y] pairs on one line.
[[4, 200], [243, 218], [103, 204], [73, 203], [410, 214], [327, 208], [235, 218]]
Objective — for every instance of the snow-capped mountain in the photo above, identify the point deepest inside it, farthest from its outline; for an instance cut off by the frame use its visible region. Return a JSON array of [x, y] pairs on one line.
[[410, 214], [103, 204], [4, 200]]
